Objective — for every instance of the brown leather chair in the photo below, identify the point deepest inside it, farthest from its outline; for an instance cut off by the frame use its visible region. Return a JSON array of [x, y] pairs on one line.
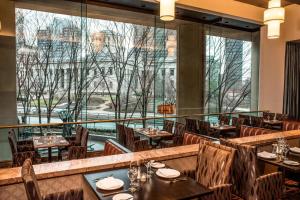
[[245, 179], [213, 170], [246, 119], [75, 140], [177, 137], [168, 126], [134, 143], [33, 191], [191, 125], [121, 134], [78, 152], [21, 152], [256, 121]]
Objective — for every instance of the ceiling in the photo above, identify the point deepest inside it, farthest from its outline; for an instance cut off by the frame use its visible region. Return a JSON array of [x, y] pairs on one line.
[[264, 3], [181, 13]]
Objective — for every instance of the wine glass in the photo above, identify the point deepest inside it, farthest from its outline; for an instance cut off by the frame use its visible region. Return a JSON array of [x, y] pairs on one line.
[[151, 162], [148, 165]]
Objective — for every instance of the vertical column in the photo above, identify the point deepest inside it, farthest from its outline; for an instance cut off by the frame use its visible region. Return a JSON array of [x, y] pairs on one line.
[[191, 69], [8, 111], [255, 70]]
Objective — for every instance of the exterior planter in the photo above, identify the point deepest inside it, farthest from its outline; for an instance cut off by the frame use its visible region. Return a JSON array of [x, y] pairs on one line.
[[166, 109]]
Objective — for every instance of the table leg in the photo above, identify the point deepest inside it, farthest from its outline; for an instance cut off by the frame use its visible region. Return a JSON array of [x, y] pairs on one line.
[[150, 141], [49, 154]]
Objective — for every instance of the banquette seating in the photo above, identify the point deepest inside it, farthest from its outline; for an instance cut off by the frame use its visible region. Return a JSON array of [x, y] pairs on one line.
[[112, 147], [290, 125], [252, 131]]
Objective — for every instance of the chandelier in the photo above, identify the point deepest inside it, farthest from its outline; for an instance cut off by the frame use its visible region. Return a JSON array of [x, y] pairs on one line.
[[273, 17]]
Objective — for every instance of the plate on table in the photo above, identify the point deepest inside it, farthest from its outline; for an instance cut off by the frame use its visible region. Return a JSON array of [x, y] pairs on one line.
[[266, 155], [291, 162], [157, 165], [109, 183], [122, 196], [167, 173], [295, 149]]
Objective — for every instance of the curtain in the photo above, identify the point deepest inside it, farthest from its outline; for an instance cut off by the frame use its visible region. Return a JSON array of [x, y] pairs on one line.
[[291, 101]]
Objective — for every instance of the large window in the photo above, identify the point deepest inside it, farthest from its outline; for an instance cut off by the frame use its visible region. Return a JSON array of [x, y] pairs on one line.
[[76, 68], [228, 76]]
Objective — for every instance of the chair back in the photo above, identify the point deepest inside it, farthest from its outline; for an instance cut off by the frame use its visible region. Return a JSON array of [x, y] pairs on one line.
[[129, 138], [12, 141], [141, 145], [121, 134], [191, 125], [268, 115], [290, 125], [179, 129], [257, 121], [281, 117], [78, 136], [225, 119], [244, 170], [252, 131], [191, 138], [30, 181], [246, 119], [84, 137], [268, 187], [168, 126], [214, 164]]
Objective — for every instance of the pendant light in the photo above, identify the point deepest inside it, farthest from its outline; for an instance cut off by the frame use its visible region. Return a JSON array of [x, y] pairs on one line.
[[167, 9], [273, 17]]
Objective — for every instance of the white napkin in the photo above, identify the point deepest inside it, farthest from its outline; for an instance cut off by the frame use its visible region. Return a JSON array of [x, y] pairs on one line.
[[168, 173], [295, 149], [265, 154], [109, 183]]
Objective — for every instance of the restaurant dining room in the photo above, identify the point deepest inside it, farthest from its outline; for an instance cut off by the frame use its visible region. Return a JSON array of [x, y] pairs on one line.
[[149, 99]]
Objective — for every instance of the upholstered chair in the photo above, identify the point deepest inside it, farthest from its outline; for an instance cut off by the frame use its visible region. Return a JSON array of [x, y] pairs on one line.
[[246, 119], [290, 125], [245, 179], [141, 145], [75, 140], [134, 143], [253, 131], [224, 118], [78, 151], [256, 121], [33, 191], [21, 152], [23, 145], [168, 126], [177, 136], [268, 115], [121, 134], [237, 122], [191, 125], [213, 170]]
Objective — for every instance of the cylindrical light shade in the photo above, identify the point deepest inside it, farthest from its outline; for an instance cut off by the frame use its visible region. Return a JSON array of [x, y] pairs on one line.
[[274, 14], [167, 10], [274, 4], [273, 29]]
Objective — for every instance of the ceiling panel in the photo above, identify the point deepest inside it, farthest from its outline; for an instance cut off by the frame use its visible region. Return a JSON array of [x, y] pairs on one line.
[[264, 3]]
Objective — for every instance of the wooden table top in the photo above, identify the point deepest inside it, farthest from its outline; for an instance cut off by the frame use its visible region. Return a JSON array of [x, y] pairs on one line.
[[151, 133], [49, 141], [156, 188], [223, 128]]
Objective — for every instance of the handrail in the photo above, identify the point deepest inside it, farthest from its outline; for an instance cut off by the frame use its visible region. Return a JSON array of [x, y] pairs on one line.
[[124, 120]]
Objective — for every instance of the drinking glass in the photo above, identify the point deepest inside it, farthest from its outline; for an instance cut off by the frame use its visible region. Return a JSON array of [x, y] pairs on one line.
[[151, 162], [132, 177], [148, 165], [285, 151]]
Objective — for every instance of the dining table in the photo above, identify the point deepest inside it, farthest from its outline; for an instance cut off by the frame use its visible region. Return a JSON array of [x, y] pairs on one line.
[[152, 134], [49, 142], [154, 188], [222, 129]]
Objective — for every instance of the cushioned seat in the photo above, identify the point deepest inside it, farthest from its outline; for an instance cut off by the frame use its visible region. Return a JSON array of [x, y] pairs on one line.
[[252, 131]]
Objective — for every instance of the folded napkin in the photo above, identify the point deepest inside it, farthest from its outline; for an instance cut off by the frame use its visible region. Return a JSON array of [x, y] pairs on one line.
[[109, 183], [265, 154], [168, 173], [295, 149]]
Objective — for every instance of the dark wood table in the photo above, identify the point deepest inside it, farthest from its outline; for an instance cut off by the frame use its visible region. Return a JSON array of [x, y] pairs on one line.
[[151, 134], [291, 156], [223, 129], [49, 142], [154, 189]]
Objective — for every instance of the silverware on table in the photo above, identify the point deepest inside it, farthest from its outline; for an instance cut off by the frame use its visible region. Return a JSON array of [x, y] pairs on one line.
[[178, 179], [113, 193]]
